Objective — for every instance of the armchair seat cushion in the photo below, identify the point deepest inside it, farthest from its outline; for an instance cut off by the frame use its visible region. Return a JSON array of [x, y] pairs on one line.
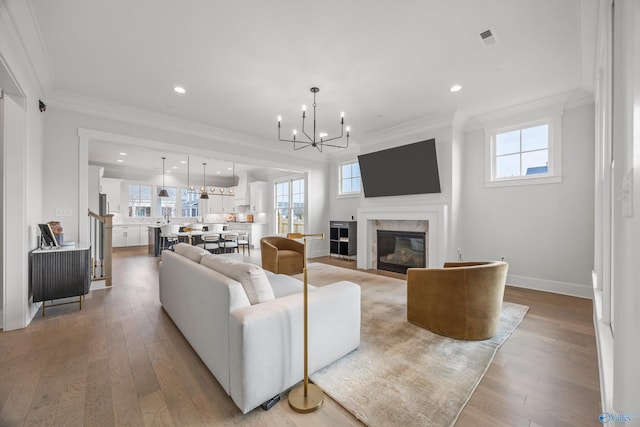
[[461, 300]]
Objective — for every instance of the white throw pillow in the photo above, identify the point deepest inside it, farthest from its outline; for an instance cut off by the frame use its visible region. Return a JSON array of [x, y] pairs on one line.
[[251, 277], [194, 253]]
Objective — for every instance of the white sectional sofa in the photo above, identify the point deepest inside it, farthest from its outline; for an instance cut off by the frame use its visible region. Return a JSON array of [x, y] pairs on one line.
[[255, 351]]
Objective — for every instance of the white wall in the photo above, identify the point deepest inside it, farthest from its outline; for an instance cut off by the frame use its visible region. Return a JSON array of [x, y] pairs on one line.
[[626, 209], [341, 208], [22, 161], [63, 145], [449, 153], [544, 231]]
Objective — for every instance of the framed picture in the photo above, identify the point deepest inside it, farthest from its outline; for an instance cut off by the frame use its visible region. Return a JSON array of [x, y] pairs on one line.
[[48, 238]]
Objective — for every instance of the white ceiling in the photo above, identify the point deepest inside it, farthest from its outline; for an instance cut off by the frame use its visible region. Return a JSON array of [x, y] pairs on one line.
[[245, 62]]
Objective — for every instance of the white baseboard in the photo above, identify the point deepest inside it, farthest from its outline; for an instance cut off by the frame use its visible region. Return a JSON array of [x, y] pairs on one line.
[[99, 284], [554, 286], [35, 308], [317, 253], [604, 343]]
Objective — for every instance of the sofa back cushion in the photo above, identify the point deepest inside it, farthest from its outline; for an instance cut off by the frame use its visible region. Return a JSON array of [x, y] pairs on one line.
[[194, 253], [251, 277]]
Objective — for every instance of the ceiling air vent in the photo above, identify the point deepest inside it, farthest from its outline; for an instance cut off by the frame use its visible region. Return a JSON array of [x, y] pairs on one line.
[[487, 38]]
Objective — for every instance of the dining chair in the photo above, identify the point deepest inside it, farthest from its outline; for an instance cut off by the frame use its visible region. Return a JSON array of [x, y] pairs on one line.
[[229, 242], [244, 241], [210, 242]]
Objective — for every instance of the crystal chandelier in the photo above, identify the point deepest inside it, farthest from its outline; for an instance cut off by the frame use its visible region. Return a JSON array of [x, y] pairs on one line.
[[311, 140]]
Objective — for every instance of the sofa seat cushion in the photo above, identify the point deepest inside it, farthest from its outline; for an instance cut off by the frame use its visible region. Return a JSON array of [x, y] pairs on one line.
[[284, 285], [194, 253], [251, 277]]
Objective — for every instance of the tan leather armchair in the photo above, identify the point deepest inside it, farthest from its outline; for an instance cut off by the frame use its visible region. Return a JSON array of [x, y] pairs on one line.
[[462, 300], [282, 255]]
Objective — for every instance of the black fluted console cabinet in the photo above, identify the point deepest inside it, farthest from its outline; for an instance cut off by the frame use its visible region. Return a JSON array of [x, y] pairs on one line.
[[60, 273]]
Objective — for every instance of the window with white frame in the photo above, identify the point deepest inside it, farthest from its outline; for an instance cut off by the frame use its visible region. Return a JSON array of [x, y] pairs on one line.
[[349, 178], [524, 150], [139, 200], [167, 205], [189, 202], [289, 203]]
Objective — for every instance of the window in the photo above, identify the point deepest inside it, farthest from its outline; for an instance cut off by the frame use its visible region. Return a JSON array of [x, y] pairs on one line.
[[289, 203], [349, 178], [522, 152], [167, 205], [524, 149], [189, 202], [139, 200]]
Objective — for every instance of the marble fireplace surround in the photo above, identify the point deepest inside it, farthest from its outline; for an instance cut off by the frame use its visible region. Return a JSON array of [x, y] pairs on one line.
[[429, 218]]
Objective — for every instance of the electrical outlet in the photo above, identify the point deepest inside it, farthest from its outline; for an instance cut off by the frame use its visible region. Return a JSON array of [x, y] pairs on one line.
[[63, 212]]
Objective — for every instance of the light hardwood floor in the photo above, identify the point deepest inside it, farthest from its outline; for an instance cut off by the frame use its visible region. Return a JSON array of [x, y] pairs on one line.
[[121, 361]]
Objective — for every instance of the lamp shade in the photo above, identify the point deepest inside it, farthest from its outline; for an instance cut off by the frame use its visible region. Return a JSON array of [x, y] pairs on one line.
[[163, 192]]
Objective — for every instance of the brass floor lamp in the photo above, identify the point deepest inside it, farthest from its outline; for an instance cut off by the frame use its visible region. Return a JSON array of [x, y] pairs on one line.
[[306, 397]]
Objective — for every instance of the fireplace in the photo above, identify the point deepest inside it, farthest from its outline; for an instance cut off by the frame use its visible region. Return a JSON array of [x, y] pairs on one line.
[[399, 250], [429, 219]]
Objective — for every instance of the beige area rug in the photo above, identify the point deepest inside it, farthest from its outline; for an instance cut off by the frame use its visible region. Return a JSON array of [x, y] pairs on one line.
[[402, 374]]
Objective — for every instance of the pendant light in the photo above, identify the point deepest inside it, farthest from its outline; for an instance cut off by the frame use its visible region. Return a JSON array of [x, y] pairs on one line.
[[204, 194], [163, 192], [190, 188]]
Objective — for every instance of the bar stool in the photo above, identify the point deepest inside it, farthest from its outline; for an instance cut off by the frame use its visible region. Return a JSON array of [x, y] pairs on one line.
[[169, 239]]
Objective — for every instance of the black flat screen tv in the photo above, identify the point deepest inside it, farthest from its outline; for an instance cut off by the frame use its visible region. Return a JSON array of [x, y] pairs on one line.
[[398, 171]]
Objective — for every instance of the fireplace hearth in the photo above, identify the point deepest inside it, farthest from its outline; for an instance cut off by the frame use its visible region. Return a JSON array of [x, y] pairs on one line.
[[399, 250]]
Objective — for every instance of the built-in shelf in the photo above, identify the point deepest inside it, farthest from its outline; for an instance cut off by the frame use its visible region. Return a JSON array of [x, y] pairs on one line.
[[343, 238]]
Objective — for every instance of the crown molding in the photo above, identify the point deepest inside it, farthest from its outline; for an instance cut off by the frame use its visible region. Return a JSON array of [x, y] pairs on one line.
[[555, 104], [25, 34], [428, 123]]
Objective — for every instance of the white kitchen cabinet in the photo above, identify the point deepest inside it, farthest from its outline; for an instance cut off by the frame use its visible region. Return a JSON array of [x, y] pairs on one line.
[[258, 196], [129, 235], [111, 187], [119, 236], [258, 231], [214, 204], [143, 238]]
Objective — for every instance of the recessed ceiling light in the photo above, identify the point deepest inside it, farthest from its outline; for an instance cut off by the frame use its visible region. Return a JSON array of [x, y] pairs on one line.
[[123, 154], [229, 169], [179, 89], [218, 172], [168, 171], [184, 162], [174, 167], [455, 88], [120, 160]]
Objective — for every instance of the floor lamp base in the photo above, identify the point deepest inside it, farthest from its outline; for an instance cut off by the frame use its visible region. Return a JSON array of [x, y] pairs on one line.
[[304, 405]]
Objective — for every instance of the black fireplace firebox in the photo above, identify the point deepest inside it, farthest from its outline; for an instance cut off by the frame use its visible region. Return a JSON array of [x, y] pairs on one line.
[[399, 250]]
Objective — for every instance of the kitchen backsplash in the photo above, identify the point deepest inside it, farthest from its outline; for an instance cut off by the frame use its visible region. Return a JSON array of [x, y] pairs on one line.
[[209, 219]]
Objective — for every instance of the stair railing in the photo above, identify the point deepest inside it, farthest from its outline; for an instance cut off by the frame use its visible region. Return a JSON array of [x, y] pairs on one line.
[[101, 237]]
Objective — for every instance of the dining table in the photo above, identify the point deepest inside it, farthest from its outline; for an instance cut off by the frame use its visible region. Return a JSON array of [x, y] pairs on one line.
[[194, 237]]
